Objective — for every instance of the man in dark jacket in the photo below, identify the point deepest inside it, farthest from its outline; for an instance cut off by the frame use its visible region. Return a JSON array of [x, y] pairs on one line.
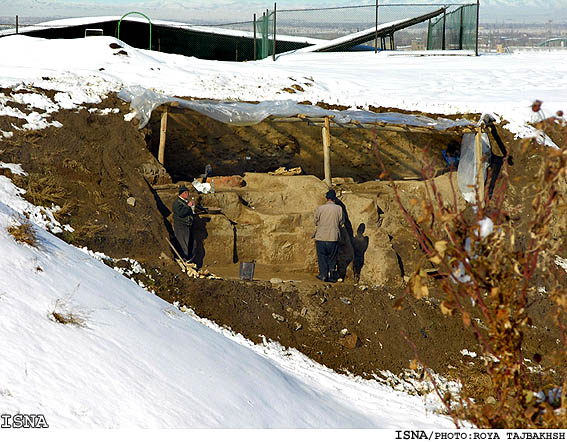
[[183, 220], [328, 219]]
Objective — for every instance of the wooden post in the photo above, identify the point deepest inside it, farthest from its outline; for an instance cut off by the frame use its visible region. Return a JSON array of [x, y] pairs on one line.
[[479, 168], [162, 136], [17, 24], [326, 132]]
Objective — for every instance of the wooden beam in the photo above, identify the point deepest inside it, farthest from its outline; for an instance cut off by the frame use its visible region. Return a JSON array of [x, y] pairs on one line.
[[326, 133], [479, 168], [320, 122], [162, 137]]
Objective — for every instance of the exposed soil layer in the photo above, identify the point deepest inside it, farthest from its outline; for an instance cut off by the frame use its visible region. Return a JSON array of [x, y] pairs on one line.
[[95, 163]]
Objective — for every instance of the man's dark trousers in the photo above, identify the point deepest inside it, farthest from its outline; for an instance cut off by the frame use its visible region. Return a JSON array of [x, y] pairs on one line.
[[185, 237], [327, 257]]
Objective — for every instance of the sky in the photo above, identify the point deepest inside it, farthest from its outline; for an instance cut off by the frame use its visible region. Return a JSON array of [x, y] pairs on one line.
[[233, 10]]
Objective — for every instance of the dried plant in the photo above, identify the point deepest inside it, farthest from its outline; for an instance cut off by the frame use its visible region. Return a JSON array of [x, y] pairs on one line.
[[488, 263], [23, 232]]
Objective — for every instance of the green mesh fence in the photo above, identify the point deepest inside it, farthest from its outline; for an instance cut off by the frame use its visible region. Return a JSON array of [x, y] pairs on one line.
[[265, 35], [455, 30], [331, 23]]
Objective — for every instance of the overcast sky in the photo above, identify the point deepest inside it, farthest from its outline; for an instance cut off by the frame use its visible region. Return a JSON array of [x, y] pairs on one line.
[[230, 10]]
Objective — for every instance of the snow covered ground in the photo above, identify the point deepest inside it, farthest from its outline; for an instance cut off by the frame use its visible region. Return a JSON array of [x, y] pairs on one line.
[[137, 361], [504, 84]]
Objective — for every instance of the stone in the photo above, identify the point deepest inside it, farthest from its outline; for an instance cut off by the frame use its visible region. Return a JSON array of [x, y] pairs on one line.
[[131, 201], [350, 341], [278, 317], [298, 326], [276, 281]]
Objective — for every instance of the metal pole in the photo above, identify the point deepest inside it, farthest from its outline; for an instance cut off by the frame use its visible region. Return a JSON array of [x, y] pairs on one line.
[[429, 35], [274, 49], [376, 31], [255, 49], [461, 30], [477, 20], [16, 24], [444, 24]]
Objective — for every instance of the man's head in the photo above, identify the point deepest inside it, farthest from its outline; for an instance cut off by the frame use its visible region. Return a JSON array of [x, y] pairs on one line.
[[184, 192], [536, 105], [331, 195]]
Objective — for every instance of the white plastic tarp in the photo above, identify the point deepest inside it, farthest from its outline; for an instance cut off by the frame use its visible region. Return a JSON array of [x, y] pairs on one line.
[[144, 101], [467, 170]]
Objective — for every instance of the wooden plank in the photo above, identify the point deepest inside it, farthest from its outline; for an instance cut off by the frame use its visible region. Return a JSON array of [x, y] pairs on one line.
[[326, 133], [479, 168], [320, 122], [162, 137]]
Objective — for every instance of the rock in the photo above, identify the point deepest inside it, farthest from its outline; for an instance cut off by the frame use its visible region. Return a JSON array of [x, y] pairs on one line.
[[303, 311], [345, 300], [344, 332], [298, 326], [278, 317], [350, 341], [131, 201], [276, 281], [363, 287]]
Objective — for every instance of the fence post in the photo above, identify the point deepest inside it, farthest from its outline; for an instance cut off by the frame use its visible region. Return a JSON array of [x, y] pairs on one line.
[[429, 35], [477, 20], [264, 37], [376, 31], [16, 24], [444, 29], [274, 48], [255, 48], [461, 30]]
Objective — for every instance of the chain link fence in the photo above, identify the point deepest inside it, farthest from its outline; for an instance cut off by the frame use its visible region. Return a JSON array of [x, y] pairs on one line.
[[278, 31], [456, 29]]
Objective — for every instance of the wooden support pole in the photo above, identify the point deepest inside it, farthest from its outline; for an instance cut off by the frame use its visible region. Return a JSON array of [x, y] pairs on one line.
[[326, 132], [479, 168], [162, 136]]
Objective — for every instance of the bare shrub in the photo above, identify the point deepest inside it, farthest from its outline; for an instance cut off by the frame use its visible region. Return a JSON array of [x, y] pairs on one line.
[[24, 232], [63, 314], [488, 262]]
